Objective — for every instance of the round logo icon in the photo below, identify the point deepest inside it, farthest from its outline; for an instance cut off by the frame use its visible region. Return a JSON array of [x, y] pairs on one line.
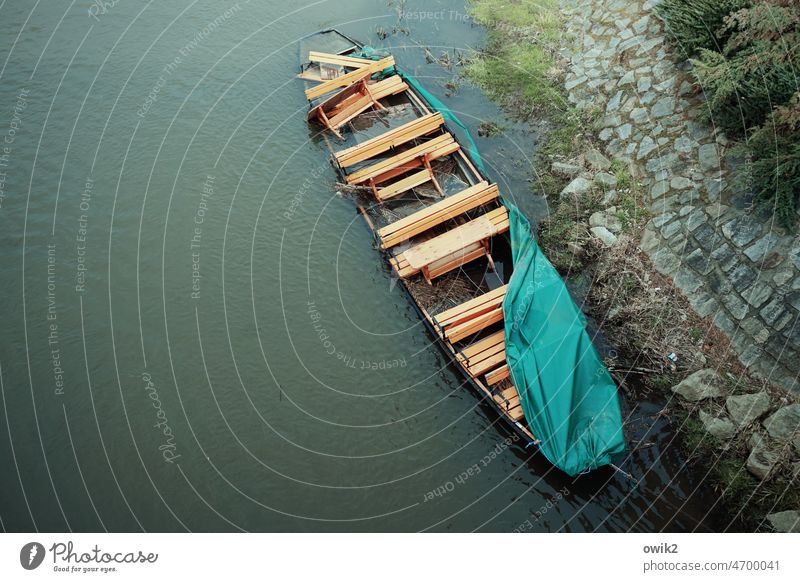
[[31, 555]]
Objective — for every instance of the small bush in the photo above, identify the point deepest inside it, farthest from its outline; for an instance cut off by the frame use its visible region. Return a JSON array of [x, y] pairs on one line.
[[697, 24], [756, 70]]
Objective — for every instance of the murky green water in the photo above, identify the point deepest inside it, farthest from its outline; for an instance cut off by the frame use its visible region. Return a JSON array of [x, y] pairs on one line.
[[198, 333]]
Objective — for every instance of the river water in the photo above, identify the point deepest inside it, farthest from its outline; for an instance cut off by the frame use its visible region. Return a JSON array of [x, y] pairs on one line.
[[198, 333]]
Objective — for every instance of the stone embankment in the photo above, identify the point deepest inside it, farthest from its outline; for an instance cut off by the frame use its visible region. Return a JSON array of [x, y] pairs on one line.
[[732, 262]]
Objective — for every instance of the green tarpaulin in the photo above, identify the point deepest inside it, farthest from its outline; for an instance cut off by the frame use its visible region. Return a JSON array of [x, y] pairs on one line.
[[568, 396]]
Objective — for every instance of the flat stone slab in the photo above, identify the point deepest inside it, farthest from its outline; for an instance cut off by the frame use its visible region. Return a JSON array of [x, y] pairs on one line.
[[785, 521], [566, 170], [606, 236], [577, 187], [700, 385], [720, 428], [746, 408], [597, 160], [762, 460], [742, 230], [607, 220], [784, 423]]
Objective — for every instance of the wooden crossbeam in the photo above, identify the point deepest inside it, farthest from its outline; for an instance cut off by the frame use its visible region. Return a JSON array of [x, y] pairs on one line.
[[484, 355], [349, 78], [454, 261]]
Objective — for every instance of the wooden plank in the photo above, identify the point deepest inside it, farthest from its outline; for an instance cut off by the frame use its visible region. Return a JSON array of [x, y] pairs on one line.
[[349, 78], [464, 195], [331, 59], [470, 253], [404, 185], [472, 326], [507, 403], [474, 306], [345, 115], [482, 345], [506, 394], [310, 75], [497, 375], [480, 367], [409, 156], [435, 214], [517, 414], [392, 138], [450, 242], [454, 261]]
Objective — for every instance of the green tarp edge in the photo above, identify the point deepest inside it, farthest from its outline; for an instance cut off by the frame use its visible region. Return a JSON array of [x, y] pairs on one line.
[[569, 399]]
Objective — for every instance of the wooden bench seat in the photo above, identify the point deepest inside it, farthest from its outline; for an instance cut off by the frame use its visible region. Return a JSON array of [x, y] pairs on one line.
[[403, 162], [435, 214], [392, 138], [484, 355], [472, 316], [349, 78], [452, 249], [350, 102], [444, 265]]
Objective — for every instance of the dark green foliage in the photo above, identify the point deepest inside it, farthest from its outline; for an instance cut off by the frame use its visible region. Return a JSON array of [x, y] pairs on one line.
[[757, 68], [697, 24], [772, 168], [748, 66]]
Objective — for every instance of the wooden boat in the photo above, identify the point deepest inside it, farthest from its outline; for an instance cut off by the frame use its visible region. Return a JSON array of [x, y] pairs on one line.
[[439, 221]]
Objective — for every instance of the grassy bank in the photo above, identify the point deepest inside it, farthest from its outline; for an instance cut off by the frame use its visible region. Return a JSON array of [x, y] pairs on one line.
[[520, 69]]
